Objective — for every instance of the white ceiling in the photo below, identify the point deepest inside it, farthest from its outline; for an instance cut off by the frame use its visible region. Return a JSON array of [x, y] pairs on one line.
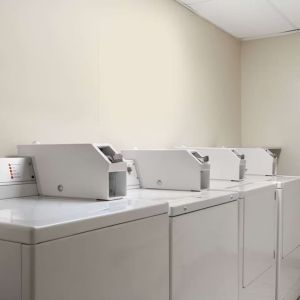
[[247, 19]]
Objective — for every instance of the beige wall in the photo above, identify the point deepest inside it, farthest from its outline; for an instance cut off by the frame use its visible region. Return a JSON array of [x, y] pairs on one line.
[[145, 73], [271, 97]]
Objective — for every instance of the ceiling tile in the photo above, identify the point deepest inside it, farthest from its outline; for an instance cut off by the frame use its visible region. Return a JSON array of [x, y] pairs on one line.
[[290, 8], [242, 18]]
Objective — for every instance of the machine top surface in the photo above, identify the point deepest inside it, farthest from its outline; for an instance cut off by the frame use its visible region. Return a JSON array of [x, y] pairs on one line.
[[32, 220], [245, 186], [181, 202], [279, 180]]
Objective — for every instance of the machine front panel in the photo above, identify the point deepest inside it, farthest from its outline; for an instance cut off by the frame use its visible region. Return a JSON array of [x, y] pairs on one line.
[[259, 233], [204, 247]]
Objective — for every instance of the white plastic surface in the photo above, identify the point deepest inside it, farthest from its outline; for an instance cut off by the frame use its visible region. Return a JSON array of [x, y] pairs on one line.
[[32, 220]]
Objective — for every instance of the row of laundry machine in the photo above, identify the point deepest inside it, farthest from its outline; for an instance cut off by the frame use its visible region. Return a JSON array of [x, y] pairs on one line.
[[82, 221]]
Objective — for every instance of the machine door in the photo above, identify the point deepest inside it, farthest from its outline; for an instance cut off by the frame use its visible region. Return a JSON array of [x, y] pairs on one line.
[[259, 220], [290, 217], [204, 254]]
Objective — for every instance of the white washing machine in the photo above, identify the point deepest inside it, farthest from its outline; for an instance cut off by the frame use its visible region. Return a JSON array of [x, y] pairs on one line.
[[203, 242], [203, 224], [257, 224], [288, 234], [74, 249]]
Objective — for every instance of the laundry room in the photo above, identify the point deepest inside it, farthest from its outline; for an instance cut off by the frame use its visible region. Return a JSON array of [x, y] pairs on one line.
[[149, 149]]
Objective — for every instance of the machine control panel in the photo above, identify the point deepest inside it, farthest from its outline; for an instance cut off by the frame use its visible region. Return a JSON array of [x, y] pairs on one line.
[[16, 169], [61, 170]]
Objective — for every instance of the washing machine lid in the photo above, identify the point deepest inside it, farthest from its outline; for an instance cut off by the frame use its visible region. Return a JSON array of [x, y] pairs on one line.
[[280, 180], [244, 187], [181, 202], [32, 220]]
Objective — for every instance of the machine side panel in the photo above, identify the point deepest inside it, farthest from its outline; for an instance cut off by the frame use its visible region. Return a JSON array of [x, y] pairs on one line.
[[204, 254], [10, 271], [259, 233], [128, 261], [290, 219], [288, 265], [28, 274]]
